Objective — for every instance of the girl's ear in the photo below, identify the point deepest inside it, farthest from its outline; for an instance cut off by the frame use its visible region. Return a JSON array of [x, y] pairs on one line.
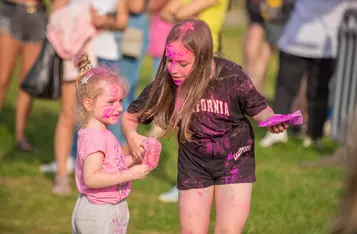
[[88, 104]]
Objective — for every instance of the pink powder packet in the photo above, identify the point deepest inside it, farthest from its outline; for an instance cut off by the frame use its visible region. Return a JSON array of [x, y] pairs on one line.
[[292, 119], [152, 152]]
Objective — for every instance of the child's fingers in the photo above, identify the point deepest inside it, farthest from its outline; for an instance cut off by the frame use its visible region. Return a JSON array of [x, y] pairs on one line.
[[281, 128], [286, 125]]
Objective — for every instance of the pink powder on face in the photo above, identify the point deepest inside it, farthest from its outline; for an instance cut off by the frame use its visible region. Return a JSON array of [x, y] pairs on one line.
[[108, 111], [111, 90], [114, 90], [180, 57]]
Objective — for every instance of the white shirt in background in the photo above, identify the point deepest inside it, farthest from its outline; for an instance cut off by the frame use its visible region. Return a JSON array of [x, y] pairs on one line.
[[312, 29], [104, 44]]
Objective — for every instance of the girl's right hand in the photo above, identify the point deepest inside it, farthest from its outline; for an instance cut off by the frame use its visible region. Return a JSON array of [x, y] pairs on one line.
[[138, 172], [134, 141]]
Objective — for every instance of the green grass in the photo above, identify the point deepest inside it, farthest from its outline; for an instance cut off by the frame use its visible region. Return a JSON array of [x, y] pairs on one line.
[[286, 198]]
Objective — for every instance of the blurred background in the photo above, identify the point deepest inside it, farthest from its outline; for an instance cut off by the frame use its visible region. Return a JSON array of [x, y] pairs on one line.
[[300, 54]]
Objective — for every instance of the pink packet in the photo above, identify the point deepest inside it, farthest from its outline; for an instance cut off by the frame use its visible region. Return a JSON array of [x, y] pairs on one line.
[[152, 152], [293, 119]]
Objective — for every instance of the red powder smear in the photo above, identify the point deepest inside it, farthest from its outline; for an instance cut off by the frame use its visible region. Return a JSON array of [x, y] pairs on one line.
[[116, 226], [200, 193], [107, 112], [232, 200], [152, 152], [246, 207]]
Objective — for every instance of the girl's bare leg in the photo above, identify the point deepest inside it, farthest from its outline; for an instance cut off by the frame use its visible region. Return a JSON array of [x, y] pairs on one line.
[[23, 107], [232, 207], [9, 48], [63, 137], [195, 209]]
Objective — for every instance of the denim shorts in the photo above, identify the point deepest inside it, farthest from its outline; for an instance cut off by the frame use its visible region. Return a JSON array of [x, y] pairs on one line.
[[23, 22]]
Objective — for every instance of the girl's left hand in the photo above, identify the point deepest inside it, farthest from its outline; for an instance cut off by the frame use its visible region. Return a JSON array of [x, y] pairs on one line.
[[278, 128]]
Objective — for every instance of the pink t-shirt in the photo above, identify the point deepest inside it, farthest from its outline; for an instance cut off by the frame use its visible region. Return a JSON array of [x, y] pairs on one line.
[[159, 30], [92, 140]]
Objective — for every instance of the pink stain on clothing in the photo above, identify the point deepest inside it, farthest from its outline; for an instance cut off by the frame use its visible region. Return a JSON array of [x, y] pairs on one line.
[[92, 140], [116, 227]]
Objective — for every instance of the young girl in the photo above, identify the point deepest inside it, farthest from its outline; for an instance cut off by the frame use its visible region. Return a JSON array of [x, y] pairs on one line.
[[103, 173], [207, 99]]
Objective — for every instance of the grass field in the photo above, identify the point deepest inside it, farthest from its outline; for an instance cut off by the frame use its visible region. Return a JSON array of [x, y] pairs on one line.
[[287, 199]]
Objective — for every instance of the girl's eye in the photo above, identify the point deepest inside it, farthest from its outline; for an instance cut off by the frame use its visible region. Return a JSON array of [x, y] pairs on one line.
[[183, 64]]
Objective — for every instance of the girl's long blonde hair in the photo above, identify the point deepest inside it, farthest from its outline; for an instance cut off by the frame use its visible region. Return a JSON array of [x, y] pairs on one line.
[[196, 37]]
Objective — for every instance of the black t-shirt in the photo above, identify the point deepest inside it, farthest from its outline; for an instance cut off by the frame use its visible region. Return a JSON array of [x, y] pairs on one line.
[[219, 124]]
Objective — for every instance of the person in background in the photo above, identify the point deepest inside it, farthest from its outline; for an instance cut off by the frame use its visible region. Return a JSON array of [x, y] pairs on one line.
[[158, 31], [22, 29], [307, 45], [262, 37], [65, 124]]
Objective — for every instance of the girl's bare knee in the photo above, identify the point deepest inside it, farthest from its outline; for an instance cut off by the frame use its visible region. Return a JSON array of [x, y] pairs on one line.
[[224, 229]]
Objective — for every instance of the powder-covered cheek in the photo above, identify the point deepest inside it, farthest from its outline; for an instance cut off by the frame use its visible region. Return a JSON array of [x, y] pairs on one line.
[[107, 112]]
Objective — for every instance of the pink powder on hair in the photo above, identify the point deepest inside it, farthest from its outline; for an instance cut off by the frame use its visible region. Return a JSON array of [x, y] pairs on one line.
[[186, 27]]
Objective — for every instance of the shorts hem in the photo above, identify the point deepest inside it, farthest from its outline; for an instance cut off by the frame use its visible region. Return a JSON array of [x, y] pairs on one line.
[[195, 186], [249, 179]]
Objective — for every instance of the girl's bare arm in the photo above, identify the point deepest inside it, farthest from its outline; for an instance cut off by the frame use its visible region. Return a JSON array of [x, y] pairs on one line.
[[57, 4], [194, 8], [95, 178]]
